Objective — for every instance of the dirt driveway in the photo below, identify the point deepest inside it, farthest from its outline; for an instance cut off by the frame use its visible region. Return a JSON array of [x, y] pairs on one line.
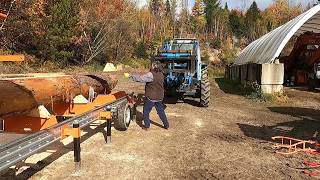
[[228, 140]]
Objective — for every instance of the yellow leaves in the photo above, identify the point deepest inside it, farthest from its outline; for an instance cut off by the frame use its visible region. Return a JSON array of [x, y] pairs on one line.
[[198, 8], [280, 12], [37, 8], [198, 16], [104, 9]]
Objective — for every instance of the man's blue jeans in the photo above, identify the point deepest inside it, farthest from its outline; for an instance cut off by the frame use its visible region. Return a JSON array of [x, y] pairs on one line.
[[148, 105]]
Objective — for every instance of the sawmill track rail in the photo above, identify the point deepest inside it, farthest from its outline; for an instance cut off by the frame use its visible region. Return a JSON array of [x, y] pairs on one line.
[[20, 149]]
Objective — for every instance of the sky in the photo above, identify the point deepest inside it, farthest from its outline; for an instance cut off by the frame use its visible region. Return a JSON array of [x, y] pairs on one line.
[[240, 4], [262, 4]]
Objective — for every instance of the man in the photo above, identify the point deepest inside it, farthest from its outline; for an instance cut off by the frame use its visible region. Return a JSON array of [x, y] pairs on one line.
[[154, 92]]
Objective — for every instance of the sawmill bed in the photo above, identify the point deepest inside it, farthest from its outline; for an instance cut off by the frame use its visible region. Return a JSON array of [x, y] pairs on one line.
[[6, 138], [17, 147]]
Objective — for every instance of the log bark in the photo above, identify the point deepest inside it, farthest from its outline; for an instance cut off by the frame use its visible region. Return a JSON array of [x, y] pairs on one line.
[[22, 93]]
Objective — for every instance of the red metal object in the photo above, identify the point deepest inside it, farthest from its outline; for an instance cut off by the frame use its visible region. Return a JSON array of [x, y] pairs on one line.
[[311, 164], [312, 174], [287, 145]]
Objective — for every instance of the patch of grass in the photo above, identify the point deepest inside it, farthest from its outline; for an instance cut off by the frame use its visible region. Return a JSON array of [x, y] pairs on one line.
[[95, 67], [249, 90], [136, 63], [253, 91], [216, 71], [46, 67]]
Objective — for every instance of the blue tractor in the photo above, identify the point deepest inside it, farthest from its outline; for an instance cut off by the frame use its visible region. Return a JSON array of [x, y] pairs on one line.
[[185, 74]]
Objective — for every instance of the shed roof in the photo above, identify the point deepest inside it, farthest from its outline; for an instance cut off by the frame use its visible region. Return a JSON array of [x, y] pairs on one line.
[[267, 48]]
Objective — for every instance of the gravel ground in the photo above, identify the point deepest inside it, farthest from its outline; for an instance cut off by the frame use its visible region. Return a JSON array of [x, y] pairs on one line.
[[229, 140]]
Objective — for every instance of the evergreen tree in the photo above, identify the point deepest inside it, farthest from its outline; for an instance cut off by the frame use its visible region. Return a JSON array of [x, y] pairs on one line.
[[251, 20], [236, 23], [168, 8], [226, 7], [211, 7], [253, 13], [62, 27]]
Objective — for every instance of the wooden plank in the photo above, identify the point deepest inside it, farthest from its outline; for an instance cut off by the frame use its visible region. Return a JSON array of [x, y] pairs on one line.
[[12, 58], [30, 76]]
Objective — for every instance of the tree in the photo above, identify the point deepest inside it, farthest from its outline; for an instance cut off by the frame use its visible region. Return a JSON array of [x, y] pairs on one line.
[[155, 7], [225, 28], [211, 7], [184, 19], [173, 9], [197, 16], [168, 8], [24, 26], [236, 23], [173, 16], [251, 21], [282, 12], [62, 31]]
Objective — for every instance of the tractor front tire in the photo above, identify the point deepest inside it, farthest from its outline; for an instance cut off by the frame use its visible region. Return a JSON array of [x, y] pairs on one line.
[[204, 88]]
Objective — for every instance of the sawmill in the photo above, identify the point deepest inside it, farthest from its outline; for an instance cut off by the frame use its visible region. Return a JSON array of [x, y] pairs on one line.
[[39, 109]]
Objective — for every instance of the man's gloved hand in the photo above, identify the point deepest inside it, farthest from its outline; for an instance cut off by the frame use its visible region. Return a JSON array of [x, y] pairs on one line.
[[126, 75]]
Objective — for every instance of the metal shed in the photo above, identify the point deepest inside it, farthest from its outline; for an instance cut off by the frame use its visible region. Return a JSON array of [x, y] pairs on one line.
[[267, 49]]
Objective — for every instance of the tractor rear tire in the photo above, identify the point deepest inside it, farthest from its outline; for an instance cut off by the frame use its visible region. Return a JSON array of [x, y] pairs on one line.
[[124, 118], [204, 88]]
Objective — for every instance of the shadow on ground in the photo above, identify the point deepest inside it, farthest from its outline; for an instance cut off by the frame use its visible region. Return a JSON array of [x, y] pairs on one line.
[[302, 88], [175, 100], [229, 86], [307, 128], [139, 121]]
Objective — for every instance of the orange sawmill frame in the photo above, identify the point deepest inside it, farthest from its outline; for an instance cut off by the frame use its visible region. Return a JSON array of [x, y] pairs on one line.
[[12, 58], [28, 125]]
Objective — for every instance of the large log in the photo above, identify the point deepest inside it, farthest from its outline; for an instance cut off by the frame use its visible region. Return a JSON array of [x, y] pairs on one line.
[[22, 93]]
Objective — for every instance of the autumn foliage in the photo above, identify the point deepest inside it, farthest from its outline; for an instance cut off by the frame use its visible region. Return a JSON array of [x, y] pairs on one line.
[[84, 31]]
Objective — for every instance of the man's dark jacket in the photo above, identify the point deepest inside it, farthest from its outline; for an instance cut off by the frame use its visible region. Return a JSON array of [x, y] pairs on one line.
[[154, 90]]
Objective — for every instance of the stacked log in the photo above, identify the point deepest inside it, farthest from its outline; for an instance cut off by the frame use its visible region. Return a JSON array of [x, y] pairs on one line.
[[23, 93]]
